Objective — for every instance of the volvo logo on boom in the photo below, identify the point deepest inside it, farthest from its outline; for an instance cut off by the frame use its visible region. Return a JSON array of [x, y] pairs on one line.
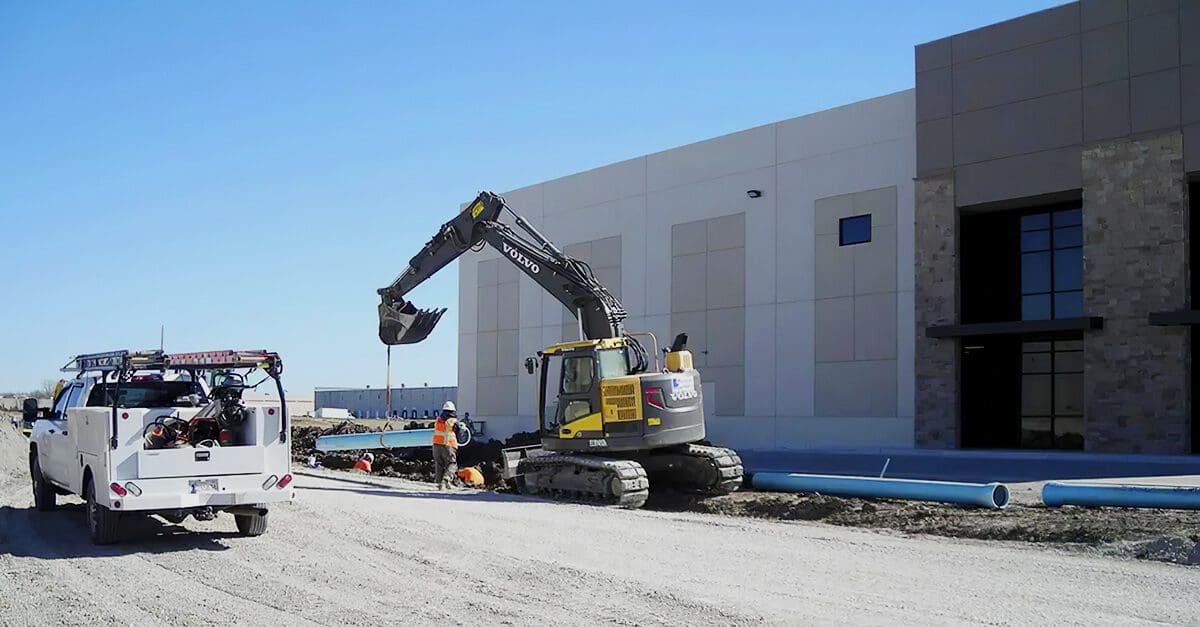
[[516, 256]]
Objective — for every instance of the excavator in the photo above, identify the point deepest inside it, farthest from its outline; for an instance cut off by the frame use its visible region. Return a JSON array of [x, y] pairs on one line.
[[609, 422]]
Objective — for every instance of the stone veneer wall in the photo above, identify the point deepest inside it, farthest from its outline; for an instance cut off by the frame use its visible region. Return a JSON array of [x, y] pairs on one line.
[[1135, 249], [937, 303]]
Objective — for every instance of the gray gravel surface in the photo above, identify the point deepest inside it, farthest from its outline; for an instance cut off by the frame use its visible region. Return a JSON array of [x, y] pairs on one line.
[[395, 551]]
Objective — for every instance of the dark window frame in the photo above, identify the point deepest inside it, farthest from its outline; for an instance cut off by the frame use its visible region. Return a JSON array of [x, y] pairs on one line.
[[1055, 352], [1051, 227], [853, 220]]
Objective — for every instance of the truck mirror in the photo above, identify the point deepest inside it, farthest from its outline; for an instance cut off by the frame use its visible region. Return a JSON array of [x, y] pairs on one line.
[[530, 365], [29, 409]]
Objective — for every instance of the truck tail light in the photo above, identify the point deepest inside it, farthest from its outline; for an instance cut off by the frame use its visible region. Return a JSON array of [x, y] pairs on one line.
[[270, 482], [133, 488], [284, 482], [118, 490], [225, 437], [654, 398]]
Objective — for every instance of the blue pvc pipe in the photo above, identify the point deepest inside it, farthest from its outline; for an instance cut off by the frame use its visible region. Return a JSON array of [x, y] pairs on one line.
[[1162, 497], [991, 495], [382, 439]]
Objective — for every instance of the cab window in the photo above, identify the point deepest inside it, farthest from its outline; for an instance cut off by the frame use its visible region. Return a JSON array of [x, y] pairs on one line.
[[613, 363], [73, 397], [60, 404], [551, 374], [578, 374]]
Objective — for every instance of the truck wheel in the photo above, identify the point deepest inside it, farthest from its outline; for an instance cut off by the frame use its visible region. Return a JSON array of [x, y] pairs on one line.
[[44, 498], [102, 522], [251, 525]]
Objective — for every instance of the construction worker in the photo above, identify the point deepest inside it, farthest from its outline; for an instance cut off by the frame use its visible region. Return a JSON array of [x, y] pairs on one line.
[[445, 446], [364, 463], [471, 476]]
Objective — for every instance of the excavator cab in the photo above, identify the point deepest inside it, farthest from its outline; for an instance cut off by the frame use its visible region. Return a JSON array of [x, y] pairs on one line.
[[574, 378], [593, 398]]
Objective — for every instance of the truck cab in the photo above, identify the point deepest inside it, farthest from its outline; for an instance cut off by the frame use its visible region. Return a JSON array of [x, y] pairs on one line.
[[151, 433]]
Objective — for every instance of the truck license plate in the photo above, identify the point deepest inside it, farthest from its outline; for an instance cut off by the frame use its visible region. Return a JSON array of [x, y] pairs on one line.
[[203, 485]]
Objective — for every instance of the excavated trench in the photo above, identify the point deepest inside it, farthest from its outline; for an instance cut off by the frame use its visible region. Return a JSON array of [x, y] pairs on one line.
[[1163, 535], [412, 464]]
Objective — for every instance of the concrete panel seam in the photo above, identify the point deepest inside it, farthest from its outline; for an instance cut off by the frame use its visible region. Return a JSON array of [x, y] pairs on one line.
[[896, 140]]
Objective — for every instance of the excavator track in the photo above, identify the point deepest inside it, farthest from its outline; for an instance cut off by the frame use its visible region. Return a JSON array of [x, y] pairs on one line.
[[584, 479], [696, 468]]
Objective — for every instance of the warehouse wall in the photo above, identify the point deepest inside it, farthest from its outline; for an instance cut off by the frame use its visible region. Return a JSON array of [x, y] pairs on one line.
[[740, 275], [1094, 102]]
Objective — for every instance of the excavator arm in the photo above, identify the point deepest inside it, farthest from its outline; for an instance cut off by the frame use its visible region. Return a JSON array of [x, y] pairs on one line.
[[569, 280]]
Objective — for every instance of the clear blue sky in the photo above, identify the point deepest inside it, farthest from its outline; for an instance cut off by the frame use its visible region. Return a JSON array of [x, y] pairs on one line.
[[249, 173]]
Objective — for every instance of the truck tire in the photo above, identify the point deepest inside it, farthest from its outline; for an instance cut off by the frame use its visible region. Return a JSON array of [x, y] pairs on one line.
[[44, 497], [102, 522], [251, 525]]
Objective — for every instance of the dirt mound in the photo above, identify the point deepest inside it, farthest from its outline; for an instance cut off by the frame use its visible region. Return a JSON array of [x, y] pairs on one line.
[[14, 455], [1164, 535]]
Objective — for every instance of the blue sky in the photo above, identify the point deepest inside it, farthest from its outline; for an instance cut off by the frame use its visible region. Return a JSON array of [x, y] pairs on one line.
[[248, 174]]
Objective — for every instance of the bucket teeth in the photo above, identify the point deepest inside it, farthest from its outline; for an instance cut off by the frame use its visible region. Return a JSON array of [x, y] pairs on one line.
[[403, 323]]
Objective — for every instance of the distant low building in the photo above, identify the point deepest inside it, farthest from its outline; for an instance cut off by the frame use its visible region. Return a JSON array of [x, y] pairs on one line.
[[422, 402], [296, 405]]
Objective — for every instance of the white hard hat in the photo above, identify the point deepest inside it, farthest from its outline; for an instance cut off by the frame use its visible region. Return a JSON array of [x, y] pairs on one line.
[[449, 406], [369, 457]]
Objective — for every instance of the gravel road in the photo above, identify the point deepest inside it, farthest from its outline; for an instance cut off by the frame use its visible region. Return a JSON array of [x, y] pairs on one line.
[[369, 554]]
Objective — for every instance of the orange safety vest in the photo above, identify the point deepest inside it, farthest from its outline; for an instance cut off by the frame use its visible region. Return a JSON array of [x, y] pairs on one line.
[[363, 465], [443, 434]]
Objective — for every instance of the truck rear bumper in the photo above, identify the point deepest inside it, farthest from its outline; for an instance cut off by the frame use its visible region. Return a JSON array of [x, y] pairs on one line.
[[174, 494]]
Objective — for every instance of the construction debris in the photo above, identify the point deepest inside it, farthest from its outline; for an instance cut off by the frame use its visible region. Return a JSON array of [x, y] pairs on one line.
[[1164, 535]]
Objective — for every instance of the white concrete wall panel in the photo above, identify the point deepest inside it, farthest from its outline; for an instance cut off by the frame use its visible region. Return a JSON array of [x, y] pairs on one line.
[[682, 216], [737, 152], [794, 358], [593, 187], [864, 123], [760, 347]]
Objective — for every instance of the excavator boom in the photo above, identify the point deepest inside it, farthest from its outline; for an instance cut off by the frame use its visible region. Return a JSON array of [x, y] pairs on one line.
[[568, 279]]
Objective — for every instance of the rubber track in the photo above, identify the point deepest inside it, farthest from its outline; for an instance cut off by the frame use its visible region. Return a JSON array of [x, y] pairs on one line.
[[727, 463], [635, 484]]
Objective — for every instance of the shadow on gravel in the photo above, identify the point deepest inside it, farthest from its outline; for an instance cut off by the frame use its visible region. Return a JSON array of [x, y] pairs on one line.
[[481, 496], [62, 534]]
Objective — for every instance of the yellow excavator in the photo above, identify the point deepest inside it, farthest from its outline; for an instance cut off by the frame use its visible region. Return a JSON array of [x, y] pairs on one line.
[[609, 421]]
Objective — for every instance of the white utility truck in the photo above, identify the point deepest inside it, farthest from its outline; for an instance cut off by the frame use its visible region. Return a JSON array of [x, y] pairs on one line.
[[144, 432]]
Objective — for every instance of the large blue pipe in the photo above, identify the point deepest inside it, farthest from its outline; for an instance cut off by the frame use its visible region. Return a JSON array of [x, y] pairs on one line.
[[1162, 497], [992, 495], [383, 439]]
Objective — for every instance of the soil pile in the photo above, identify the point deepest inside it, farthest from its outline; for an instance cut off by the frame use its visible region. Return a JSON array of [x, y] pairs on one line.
[[1167, 535], [14, 455]]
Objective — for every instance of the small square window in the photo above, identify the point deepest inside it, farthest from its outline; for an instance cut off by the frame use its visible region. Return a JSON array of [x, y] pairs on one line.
[[854, 230]]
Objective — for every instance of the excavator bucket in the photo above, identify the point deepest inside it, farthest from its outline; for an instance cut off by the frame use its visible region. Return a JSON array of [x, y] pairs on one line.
[[403, 323]]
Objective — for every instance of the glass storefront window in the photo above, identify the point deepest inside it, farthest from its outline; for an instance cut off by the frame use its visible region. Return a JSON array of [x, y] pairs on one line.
[[1052, 265], [1052, 394]]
